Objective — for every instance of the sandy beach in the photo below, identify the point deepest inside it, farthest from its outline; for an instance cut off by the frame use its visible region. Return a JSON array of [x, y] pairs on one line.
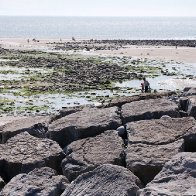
[[179, 54]]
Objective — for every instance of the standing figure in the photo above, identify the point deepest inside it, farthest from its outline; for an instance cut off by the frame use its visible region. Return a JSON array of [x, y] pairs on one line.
[[146, 85]]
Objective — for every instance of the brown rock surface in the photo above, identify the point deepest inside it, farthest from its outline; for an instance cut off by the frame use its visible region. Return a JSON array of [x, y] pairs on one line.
[[86, 123], [86, 154], [144, 96], [154, 142], [189, 91], [160, 131], [178, 177], [106, 180], [23, 153], [43, 181], [64, 112], [36, 126], [149, 109], [145, 161]]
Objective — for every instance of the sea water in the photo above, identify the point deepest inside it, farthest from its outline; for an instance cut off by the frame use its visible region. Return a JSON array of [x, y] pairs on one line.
[[98, 27]]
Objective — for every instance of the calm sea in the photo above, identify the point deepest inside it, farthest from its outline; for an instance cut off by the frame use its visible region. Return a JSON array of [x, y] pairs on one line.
[[98, 27]]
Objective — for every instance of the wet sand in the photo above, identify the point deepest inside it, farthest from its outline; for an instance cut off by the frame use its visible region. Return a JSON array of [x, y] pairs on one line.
[[181, 54]]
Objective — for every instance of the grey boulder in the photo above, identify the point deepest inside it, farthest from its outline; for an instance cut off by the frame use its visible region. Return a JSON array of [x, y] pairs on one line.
[[178, 177], [86, 123], [160, 131], [36, 126], [188, 105], [149, 109], [144, 96], [43, 181], [188, 91], [23, 153], [154, 142], [146, 161], [105, 180], [86, 154]]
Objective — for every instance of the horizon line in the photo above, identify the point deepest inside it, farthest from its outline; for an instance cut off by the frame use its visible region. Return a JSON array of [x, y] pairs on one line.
[[97, 16]]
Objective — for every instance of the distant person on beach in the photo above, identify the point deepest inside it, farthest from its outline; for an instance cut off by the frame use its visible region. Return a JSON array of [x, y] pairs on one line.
[[146, 85]]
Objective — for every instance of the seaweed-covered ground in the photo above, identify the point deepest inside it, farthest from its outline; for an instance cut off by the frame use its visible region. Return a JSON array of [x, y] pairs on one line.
[[33, 82]]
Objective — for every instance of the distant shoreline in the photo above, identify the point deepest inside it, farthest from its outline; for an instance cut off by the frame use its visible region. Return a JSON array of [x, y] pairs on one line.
[[176, 50], [138, 42], [155, 42]]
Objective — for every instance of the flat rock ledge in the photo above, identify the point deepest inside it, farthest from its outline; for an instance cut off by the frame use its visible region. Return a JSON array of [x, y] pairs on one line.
[[86, 123], [23, 153], [149, 109], [86, 154], [178, 177], [144, 96], [36, 126], [161, 131], [105, 180], [43, 181]]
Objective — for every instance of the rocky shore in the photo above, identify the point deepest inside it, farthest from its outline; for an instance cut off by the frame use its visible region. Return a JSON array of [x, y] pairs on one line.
[[79, 151], [117, 44]]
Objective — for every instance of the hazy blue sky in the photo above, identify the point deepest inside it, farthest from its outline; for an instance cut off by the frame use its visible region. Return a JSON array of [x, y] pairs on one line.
[[99, 7]]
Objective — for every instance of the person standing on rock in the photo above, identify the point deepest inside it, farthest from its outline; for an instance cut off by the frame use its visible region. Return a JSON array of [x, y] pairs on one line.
[[146, 85]]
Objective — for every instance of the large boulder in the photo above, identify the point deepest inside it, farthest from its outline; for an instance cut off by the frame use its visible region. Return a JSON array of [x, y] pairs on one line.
[[23, 153], [9, 127], [188, 91], [183, 104], [146, 161], [188, 105], [154, 142], [105, 180], [160, 131], [144, 96], [86, 154], [149, 109], [43, 181], [178, 177], [86, 123]]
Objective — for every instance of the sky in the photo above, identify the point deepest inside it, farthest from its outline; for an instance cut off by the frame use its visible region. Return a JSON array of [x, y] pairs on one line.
[[98, 7]]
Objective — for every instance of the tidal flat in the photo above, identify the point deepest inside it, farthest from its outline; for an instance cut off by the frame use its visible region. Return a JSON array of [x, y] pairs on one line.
[[43, 82]]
